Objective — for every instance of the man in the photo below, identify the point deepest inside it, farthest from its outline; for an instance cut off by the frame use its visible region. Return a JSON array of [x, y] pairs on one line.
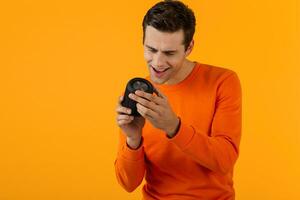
[[186, 142]]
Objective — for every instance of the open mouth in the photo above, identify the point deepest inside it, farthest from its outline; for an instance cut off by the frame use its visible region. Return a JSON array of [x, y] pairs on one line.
[[159, 70]]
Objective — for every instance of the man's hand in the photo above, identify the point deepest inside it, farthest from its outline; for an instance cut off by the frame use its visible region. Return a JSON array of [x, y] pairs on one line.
[[157, 110], [131, 126]]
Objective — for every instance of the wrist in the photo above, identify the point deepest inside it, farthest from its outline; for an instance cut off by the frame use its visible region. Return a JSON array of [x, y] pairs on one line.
[[134, 143], [175, 128]]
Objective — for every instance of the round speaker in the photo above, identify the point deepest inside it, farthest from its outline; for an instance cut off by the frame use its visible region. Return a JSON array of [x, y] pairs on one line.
[[133, 85]]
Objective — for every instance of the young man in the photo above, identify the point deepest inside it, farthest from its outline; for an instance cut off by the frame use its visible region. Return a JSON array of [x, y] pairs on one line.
[[186, 142]]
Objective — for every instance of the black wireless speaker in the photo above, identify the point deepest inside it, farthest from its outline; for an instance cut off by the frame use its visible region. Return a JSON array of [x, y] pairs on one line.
[[133, 85]]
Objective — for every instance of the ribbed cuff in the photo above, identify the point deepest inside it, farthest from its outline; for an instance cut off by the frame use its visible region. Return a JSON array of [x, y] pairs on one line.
[[133, 154]]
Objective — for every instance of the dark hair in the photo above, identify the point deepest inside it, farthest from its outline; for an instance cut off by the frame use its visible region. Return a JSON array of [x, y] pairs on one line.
[[171, 16]]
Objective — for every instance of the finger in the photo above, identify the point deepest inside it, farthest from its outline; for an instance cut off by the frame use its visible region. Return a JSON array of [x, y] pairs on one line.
[[124, 117], [124, 122], [149, 104], [146, 112], [123, 110], [149, 96]]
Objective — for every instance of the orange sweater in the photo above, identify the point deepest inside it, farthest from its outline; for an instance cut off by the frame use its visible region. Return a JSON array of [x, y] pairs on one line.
[[197, 163]]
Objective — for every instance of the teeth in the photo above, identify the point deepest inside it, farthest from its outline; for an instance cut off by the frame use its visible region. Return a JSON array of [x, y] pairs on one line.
[[160, 70]]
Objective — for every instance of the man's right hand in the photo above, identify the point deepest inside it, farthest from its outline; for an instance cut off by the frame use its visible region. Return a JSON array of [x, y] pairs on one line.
[[130, 125]]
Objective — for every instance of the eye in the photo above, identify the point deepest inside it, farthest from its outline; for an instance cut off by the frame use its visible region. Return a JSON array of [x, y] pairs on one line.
[[170, 53], [152, 50]]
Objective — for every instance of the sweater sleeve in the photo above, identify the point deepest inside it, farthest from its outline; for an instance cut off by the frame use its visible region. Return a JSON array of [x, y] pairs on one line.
[[218, 150], [129, 165]]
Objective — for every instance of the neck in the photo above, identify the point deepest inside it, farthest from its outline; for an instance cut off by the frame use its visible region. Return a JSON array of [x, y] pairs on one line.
[[186, 68]]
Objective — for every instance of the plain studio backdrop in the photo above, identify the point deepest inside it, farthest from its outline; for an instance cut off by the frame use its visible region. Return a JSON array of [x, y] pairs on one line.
[[63, 65]]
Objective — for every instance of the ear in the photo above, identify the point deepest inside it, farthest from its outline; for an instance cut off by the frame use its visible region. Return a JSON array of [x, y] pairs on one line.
[[190, 48]]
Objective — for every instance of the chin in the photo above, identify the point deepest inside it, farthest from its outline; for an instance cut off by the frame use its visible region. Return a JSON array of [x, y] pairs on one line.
[[158, 81]]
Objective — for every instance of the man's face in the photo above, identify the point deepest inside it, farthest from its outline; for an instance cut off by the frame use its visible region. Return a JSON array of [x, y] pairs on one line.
[[164, 54]]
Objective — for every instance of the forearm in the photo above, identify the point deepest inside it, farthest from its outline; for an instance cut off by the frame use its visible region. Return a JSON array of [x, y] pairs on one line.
[[217, 149], [217, 153], [130, 166]]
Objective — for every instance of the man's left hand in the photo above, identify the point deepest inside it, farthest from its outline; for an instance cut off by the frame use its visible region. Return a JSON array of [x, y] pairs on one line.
[[157, 110]]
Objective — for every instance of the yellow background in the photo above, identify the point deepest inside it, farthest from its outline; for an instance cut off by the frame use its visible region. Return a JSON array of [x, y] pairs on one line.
[[64, 63]]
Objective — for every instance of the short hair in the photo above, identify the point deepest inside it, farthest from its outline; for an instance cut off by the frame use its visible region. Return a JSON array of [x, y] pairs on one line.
[[171, 16]]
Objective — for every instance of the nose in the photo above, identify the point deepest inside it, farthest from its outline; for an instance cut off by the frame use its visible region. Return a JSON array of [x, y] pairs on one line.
[[158, 60]]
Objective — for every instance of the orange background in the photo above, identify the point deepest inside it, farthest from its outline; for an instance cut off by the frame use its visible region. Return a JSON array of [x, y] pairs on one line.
[[64, 63]]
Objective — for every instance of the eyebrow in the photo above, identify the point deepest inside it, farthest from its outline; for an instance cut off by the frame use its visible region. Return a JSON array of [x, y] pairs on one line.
[[166, 51]]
